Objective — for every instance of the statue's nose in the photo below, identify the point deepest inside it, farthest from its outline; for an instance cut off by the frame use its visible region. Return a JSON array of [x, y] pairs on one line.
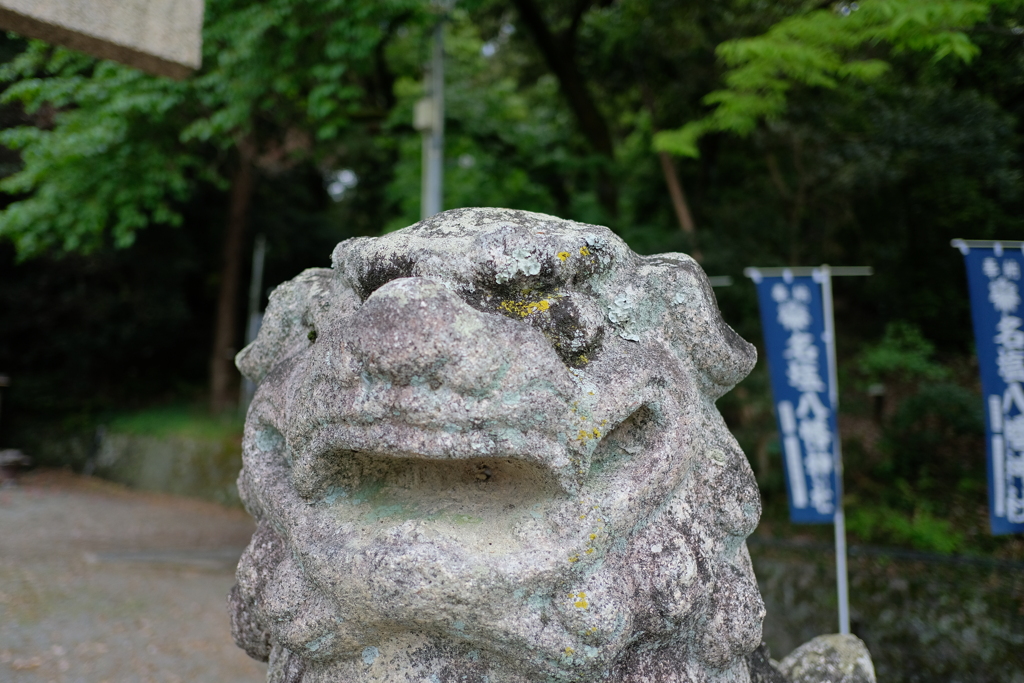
[[413, 331], [427, 375]]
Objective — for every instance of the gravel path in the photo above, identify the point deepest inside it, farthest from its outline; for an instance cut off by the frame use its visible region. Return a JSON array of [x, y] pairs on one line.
[[99, 584]]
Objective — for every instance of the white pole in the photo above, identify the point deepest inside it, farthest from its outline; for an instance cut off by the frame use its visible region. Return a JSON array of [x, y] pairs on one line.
[[259, 252], [252, 328], [842, 583], [433, 137]]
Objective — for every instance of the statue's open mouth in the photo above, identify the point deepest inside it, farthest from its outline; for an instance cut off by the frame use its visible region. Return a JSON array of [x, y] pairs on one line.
[[324, 452]]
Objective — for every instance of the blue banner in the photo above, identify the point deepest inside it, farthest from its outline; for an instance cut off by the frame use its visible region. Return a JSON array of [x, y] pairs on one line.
[[993, 276], [793, 320]]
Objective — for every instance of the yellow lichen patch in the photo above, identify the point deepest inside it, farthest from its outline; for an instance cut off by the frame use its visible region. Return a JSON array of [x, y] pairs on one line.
[[579, 600], [593, 536], [569, 650], [596, 434], [589, 550], [584, 251], [574, 558], [524, 308], [564, 256], [583, 435]]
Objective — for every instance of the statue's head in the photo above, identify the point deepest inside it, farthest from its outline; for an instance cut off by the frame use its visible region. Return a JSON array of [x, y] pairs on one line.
[[486, 448]]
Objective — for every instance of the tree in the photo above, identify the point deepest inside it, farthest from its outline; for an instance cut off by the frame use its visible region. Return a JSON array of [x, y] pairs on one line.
[[559, 52], [625, 69], [282, 80], [822, 48]]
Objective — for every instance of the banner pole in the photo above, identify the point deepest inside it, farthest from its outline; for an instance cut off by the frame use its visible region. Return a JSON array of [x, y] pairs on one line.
[[435, 154], [842, 583]]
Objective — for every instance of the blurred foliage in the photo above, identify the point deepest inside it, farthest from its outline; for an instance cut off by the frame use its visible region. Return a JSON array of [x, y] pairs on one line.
[[902, 353], [871, 137], [177, 420], [822, 49], [921, 529], [916, 467], [113, 150]]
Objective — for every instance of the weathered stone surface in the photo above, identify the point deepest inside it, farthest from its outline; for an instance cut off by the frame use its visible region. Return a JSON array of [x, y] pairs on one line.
[[829, 659], [486, 448], [762, 669]]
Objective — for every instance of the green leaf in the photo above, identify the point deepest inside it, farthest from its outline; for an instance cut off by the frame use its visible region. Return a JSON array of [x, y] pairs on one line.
[[682, 142], [821, 49]]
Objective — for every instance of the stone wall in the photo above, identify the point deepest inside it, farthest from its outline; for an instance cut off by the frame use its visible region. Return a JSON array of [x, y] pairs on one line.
[[182, 465], [924, 617]]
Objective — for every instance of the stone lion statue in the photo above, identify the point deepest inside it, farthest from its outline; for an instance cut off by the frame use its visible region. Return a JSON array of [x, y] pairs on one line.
[[486, 448]]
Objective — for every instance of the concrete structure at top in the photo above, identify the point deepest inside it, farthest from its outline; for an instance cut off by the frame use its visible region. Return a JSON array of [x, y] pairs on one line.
[[162, 37]]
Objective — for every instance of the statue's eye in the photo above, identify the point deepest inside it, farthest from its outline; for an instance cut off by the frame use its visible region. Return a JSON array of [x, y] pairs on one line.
[[311, 336], [572, 322]]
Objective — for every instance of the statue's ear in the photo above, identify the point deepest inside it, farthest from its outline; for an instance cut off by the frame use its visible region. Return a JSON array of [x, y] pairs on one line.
[[290, 321], [695, 325]]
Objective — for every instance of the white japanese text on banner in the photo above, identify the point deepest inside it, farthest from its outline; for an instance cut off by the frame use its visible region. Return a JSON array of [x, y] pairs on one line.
[[994, 279], [793, 320]]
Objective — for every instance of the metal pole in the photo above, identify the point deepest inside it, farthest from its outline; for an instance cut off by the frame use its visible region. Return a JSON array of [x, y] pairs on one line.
[[433, 137], [842, 583]]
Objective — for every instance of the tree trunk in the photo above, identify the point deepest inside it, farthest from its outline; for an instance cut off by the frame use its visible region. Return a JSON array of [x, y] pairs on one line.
[[562, 63], [223, 376], [559, 54], [682, 209], [675, 186]]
